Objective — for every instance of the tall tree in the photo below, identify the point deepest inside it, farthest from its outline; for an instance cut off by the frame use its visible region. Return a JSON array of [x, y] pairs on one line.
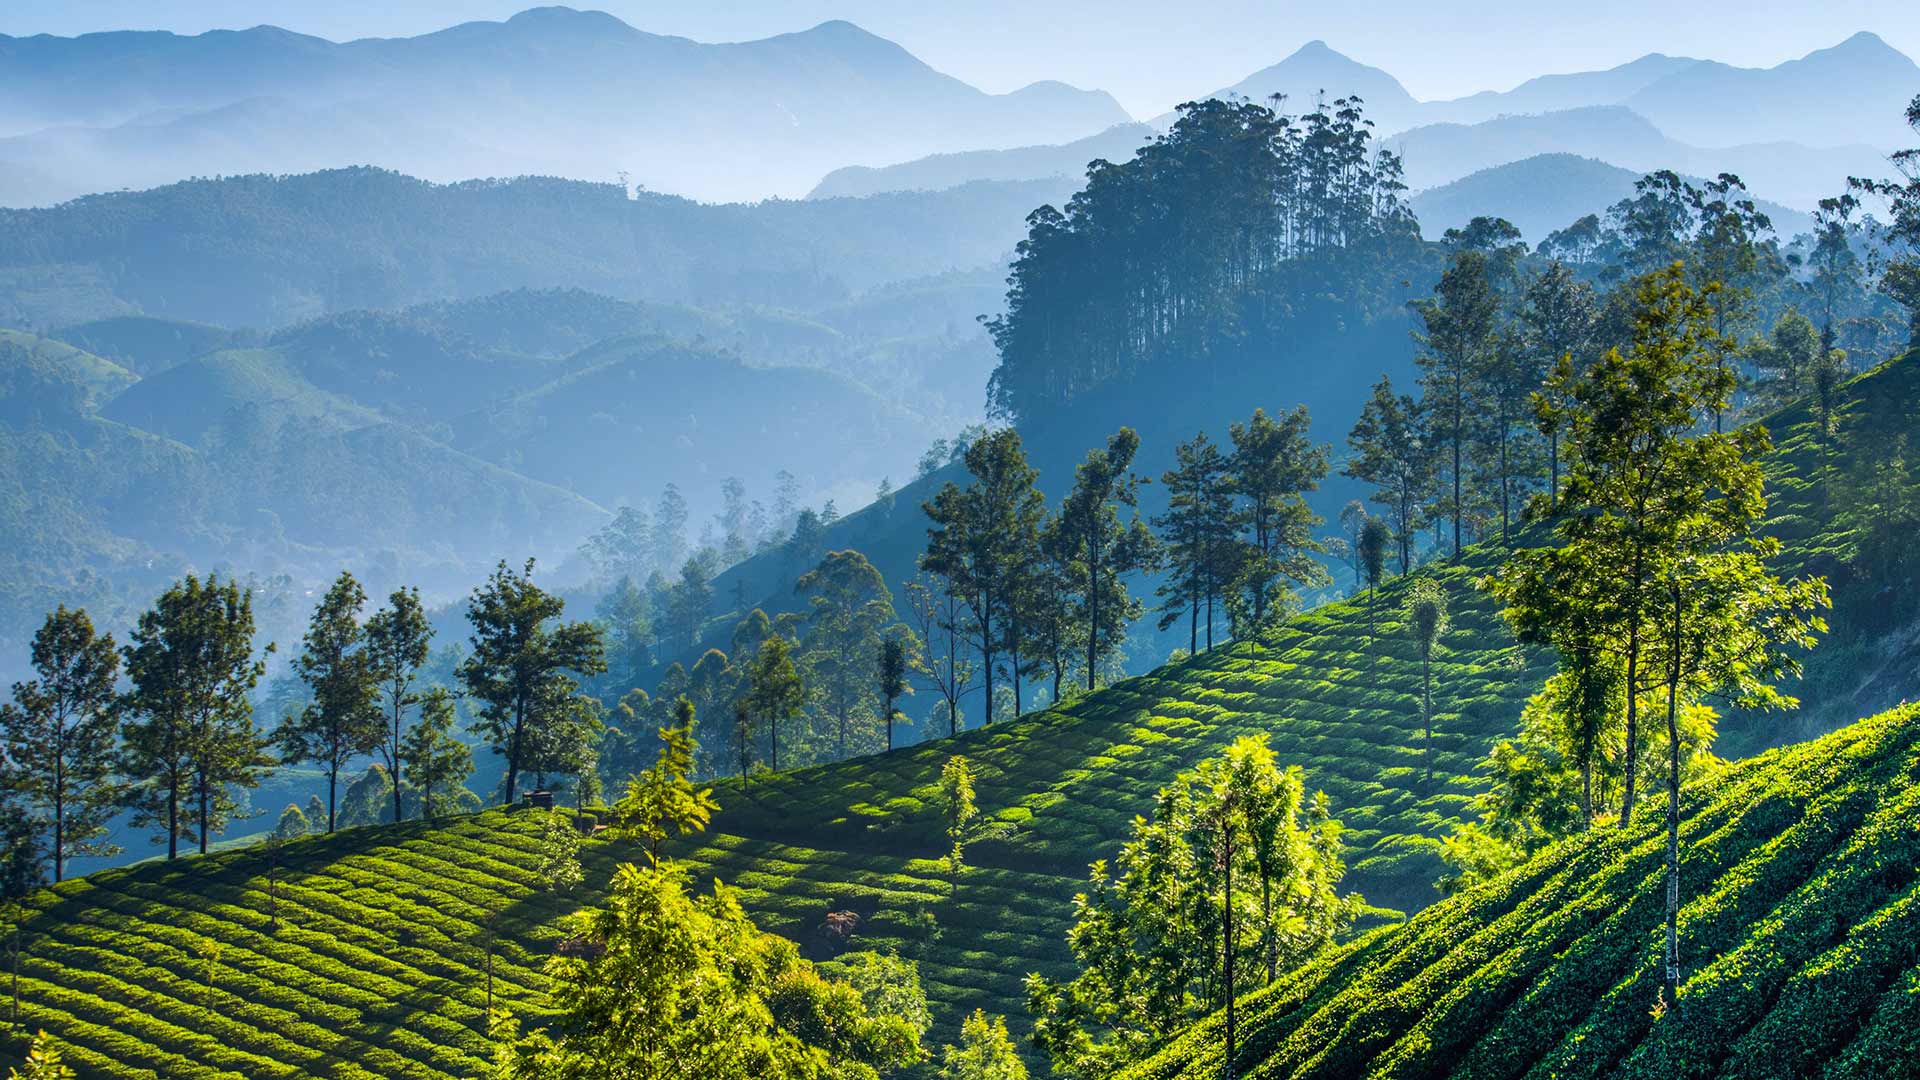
[[522, 667], [1632, 497], [1104, 548], [342, 718], [398, 638], [938, 616], [1559, 314], [849, 612], [437, 763], [1275, 465], [981, 536], [670, 529], [1374, 538], [1390, 453], [775, 691], [895, 663], [59, 736], [1196, 532], [1459, 320], [191, 736]]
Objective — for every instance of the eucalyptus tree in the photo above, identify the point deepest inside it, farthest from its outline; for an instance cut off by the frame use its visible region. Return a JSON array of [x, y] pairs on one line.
[[1102, 548], [59, 734], [342, 718], [189, 738], [1390, 452], [398, 639], [1459, 321], [849, 613], [1195, 533], [1274, 466]]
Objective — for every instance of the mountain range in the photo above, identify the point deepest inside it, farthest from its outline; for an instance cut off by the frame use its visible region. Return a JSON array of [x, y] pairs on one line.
[[549, 91], [1793, 132], [581, 94]]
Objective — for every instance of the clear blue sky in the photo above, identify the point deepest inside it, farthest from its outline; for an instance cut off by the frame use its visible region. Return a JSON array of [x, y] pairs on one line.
[[1148, 53]]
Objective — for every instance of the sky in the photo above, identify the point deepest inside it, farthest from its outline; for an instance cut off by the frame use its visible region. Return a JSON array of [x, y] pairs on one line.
[[1148, 53]]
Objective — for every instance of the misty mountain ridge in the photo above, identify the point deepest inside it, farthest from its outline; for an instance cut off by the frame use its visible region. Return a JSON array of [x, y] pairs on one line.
[[1803, 126], [549, 91]]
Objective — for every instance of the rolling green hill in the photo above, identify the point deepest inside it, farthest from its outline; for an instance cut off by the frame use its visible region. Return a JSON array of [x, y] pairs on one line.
[[1796, 937], [376, 967]]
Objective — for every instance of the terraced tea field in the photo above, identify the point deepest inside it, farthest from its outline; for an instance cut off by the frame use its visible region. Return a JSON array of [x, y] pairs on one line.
[[372, 961], [1800, 872]]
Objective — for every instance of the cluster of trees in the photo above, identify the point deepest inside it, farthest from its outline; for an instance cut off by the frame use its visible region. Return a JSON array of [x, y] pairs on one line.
[[1191, 252], [1656, 595], [1232, 882], [661, 982], [1505, 333], [1017, 591]]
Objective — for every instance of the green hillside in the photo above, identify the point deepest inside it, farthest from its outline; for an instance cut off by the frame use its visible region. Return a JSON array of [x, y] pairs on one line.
[[1796, 936], [376, 968]]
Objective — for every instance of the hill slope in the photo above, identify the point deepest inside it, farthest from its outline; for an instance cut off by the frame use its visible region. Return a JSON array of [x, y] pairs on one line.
[[1796, 939], [376, 968]]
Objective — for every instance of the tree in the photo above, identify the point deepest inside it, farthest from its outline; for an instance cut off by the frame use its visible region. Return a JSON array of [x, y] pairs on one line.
[[292, 824], [670, 529], [398, 638], [663, 984], [1234, 865], [980, 538], [775, 691], [368, 799], [663, 801], [342, 719], [850, 608], [1836, 269], [191, 736], [986, 1051], [1274, 466], [623, 548], [1901, 277], [1427, 624], [559, 866], [1459, 321], [1629, 415], [437, 764], [937, 615], [1374, 538], [1390, 454], [895, 663], [59, 735], [690, 601], [43, 1061], [521, 668], [1103, 548], [1559, 315], [1196, 534], [956, 800]]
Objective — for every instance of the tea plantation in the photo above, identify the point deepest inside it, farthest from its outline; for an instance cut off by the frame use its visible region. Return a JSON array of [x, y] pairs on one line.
[[364, 954], [1799, 872]]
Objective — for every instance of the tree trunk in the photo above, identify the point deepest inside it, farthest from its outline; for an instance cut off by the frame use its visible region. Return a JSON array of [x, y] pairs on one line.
[[173, 817], [398, 816], [1266, 924], [1633, 722], [513, 752], [1426, 707], [1093, 611], [205, 801], [1227, 935], [59, 813], [1671, 982], [333, 782]]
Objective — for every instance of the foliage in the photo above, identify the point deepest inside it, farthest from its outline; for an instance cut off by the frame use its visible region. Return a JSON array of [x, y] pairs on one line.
[[521, 668], [959, 808], [559, 866], [986, 1052], [1157, 937], [43, 1062], [342, 719], [437, 764], [59, 734], [398, 640], [1167, 260], [663, 801], [191, 739]]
